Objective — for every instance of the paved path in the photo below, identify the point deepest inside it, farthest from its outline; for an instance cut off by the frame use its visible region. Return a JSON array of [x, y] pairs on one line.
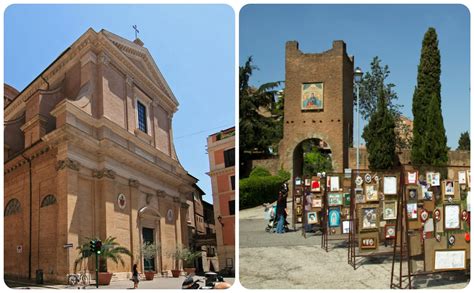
[[157, 283], [283, 261]]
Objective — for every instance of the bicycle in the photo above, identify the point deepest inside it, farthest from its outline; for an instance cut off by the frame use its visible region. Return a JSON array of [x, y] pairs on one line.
[[78, 279]]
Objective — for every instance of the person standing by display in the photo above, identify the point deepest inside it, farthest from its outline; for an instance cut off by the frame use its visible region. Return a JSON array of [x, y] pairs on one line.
[[281, 212]]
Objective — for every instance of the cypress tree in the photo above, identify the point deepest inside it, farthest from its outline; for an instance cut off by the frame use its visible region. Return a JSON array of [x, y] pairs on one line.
[[464, 142], [434, 146], [380, 137], [428, 87]]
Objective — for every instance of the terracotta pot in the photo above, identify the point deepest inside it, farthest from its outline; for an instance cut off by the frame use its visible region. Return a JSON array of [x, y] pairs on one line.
[[104, 278], [149, 276], [190, 271], [175, 273]]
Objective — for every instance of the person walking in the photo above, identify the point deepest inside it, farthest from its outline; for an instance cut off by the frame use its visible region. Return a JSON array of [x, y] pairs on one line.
[[281, 212], [135, 276]]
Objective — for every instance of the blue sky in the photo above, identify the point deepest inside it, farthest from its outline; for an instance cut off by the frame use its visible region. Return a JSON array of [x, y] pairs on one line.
[[392, 32], [193, 45]]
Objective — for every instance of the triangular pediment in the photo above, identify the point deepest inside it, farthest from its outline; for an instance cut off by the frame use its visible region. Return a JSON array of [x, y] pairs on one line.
[[142, 59]]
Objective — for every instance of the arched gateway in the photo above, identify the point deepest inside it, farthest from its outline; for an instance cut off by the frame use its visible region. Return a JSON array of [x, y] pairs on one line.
[[318, 104]]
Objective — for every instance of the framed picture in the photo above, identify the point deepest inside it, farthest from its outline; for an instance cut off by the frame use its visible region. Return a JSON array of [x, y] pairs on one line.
[[334, 216], [390, 210], [390, 231], [412, 193], [299, 210], [298, 200], [412, 177], [368, 242], [427, 195], [462, 177], [448, 187], [334, 199], [298, 181], [436, 179], [468, 174], [315, 185], [333, 182], [316, 203], [359, 196], [347, 199], [346, 212], [299, 219], [412, 211], [298, 191], [307, 182], [369, 218], [371, 193], [449, 260], [312, 218], [312, 96], [346, 227], [390, 185], [452, 217]]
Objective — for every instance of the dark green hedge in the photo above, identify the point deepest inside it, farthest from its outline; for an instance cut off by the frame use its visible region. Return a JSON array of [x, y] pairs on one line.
[[257, 190]]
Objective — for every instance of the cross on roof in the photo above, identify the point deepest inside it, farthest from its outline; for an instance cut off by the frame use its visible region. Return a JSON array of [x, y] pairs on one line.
[[136, 31]]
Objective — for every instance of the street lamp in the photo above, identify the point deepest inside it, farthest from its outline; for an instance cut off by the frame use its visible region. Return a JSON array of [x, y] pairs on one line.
[[357, 79]]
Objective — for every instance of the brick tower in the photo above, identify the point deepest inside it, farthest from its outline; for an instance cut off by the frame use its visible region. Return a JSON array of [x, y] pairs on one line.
[[318, 104]]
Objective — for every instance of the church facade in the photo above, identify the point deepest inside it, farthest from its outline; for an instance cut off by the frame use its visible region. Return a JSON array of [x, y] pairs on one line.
[[89, 154]]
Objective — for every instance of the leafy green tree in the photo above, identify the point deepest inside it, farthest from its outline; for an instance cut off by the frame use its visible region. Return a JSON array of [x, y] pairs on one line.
[[380, 137], [314, 161], [371, 82], [464, 142], [427, 97], [258, 128]]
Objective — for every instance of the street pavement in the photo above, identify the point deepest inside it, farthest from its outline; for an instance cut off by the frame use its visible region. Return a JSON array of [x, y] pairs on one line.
[[156, 283], [289, 261]]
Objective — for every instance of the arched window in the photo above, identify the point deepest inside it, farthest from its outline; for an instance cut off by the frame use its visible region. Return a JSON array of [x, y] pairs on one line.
[[13, 207], [48, 200]]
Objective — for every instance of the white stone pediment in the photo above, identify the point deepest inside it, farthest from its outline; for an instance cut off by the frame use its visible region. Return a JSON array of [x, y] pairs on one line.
[[143, 60]]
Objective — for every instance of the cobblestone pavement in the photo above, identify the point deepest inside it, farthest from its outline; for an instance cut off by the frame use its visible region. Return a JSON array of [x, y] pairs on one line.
[[157, 283], [289, 260]]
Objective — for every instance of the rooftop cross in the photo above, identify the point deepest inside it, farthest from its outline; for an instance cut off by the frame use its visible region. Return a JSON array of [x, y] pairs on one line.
[[136, 31]]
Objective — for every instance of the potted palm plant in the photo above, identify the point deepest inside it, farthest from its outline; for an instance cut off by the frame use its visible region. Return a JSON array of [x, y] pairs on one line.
[[110, 249], [149, 251]]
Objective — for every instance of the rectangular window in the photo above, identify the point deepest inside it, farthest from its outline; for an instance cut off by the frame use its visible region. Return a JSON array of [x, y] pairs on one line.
[[229, 157], [232, 182], [141, 109], [231, 207]]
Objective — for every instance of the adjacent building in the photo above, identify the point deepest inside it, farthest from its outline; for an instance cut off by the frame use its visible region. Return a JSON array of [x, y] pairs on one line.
[[221, 150], [89, 153], [202, 231]]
